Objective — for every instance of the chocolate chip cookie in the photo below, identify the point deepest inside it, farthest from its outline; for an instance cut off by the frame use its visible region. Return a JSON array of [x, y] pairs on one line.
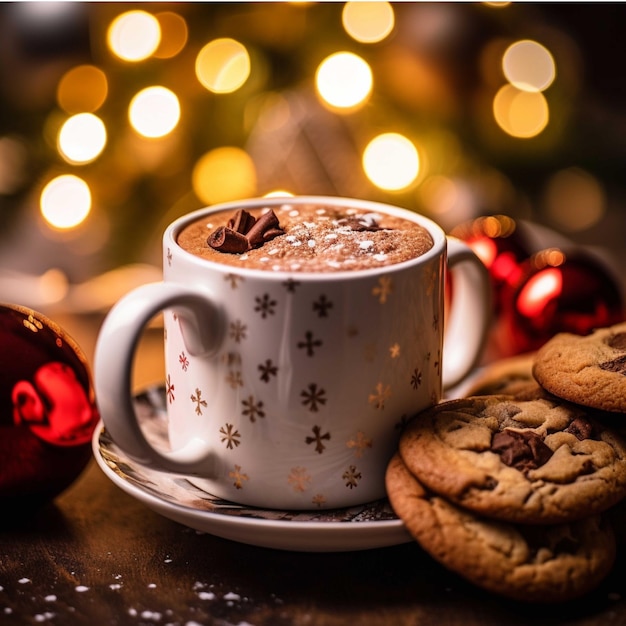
[[536, 460], [506, 376], [528, 563], [588, 370]]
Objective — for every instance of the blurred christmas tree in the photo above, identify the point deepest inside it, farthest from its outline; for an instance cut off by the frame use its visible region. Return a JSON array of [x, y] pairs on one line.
[[116, 118]]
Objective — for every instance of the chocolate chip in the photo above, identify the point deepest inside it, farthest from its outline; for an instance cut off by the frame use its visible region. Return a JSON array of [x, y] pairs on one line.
[[617, 365], [581, 428], [618, 341], [523, 450]]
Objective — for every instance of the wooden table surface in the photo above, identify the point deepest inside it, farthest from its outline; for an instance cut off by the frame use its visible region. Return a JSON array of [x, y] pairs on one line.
[[96, 556]]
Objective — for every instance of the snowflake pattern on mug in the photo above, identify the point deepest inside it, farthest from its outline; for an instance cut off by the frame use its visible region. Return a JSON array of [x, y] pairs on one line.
[[322, 306], [383, 289], [230, 436], [360, 443], [199, 403], [318, 439], [312, 397], [380, 396], [391, 352], [238, 477], [299, 479], [267, 369], [352, 477]]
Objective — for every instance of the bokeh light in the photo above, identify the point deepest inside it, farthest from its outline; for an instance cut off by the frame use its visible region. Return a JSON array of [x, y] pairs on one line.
[[574, 200], [222, 174], [368, 22], [82, 138], [65, 201], [529, 66], [521, 114], [134, 35], [539, 290], [344, 80], [174, 34], [391, 161], [82, 89], [223, 65], [154, 111]]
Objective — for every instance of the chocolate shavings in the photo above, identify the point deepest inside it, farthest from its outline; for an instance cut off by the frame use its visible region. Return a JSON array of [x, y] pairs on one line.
[[243, 232], [523, 450]]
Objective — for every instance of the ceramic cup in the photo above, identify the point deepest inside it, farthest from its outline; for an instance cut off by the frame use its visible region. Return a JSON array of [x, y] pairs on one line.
[[290, 389]]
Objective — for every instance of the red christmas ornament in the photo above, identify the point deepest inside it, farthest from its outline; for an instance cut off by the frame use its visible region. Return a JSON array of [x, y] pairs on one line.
[[556, 291], [501, 245], [47, 409]]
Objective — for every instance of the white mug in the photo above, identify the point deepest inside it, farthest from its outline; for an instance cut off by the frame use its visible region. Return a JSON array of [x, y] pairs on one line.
[[289, 389]]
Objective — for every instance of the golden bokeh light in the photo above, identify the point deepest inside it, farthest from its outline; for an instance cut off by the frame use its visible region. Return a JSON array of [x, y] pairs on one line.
[[134, 35], [174, 34], [368, 22], [521, 114], [154, 111], [443, 196], [223, 65], [223, 174], [391, 161], [65, 202], [574, 199], [344, 80], [82, 89], [529, 66], [82, 138]]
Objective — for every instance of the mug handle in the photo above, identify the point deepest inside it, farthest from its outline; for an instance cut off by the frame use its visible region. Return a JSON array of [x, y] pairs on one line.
[[202, 327], [468, 320]]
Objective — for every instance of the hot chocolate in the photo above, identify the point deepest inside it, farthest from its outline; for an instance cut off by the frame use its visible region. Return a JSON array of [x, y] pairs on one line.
[[305, 238]]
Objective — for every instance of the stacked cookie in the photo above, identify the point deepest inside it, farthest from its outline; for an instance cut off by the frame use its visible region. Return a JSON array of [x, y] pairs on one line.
[[511, 489]]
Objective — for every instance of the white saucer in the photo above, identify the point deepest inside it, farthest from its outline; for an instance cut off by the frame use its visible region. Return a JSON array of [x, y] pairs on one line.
[[174, 496]]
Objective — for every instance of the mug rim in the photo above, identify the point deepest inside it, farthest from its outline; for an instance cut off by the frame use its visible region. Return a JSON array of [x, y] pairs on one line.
[[436, 232]]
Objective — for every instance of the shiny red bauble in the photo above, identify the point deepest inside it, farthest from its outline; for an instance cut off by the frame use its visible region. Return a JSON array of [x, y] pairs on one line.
[[47, 409], [542, 284], [501, 245], [557, 290]]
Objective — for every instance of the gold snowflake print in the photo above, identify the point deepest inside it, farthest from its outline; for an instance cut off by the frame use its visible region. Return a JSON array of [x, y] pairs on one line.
[[394, 351], [380, 396], [198, 401], [359, 444], [234, 379], [318, 439], [351, 477], [234, 280], [230, 436], [299, 479], [238, 330], [318, 500], [383, 289], [238, 477]]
